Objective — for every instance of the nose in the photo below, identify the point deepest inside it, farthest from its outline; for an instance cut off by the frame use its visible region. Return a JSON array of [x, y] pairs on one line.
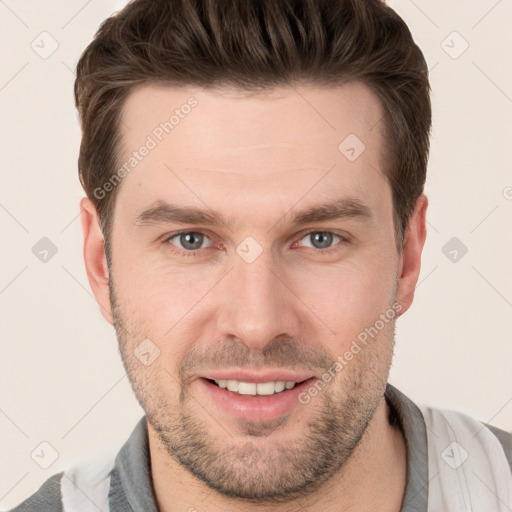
[[257, 304]]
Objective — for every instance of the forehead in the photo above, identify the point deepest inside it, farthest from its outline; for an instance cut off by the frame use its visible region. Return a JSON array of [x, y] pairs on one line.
[[272, 147]]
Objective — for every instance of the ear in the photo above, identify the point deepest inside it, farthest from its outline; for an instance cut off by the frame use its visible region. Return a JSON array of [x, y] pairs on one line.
[[410, 259], [95, 257]]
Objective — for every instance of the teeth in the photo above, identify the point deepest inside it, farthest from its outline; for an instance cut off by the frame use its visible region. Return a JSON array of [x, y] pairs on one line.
[[279, 386], [246, 388], [265, 388], [232, 385], [252, 388]]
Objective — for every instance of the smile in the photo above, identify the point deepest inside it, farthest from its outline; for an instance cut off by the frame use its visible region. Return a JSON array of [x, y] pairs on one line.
[[253, 388], [251, 401]]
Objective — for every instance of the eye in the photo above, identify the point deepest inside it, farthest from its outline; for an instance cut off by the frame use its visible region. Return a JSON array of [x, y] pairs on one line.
[[321, 239], [189, 240]]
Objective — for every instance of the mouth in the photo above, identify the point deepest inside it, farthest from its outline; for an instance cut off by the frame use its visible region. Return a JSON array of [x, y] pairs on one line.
[[251, 401], [255, 388]]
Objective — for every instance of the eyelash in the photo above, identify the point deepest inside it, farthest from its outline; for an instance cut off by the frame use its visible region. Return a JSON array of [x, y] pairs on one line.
[[329, 250]]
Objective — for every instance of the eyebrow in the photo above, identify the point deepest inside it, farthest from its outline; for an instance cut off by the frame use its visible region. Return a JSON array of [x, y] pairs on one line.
[[162, 212]]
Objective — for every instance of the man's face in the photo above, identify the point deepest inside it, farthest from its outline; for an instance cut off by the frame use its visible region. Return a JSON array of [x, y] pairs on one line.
[[266, 296]]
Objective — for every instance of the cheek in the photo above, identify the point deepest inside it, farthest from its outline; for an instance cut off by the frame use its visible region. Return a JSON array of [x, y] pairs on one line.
[[150, 324], [349, 297], [157, 294], [169, 307]]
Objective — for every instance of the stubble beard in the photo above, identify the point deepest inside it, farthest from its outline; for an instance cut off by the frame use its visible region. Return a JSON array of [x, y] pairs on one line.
[[251, 466]]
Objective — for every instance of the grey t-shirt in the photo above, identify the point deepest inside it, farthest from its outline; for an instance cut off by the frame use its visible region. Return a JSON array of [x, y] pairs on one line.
[[130, 484]]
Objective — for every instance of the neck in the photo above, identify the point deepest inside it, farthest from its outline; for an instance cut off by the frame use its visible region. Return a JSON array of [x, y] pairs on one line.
[[373, 479]]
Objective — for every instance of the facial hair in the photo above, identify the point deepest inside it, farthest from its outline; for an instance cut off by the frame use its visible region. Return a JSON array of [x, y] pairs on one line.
[[254, 467]]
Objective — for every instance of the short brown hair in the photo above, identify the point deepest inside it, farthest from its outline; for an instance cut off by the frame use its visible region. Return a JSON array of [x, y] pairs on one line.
[[255, 45]]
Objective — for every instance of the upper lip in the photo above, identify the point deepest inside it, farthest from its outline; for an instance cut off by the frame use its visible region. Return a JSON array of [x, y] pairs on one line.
[[273, 375]]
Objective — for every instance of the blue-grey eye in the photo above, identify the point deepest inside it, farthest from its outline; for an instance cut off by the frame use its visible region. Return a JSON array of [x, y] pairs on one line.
[[189, 240], [321, 239]]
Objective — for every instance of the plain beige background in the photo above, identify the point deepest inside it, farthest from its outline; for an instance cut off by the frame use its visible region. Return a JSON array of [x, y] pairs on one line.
[[61, 379]]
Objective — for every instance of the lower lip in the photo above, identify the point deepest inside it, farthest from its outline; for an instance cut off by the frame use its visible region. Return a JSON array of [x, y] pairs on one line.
[[255, 407]]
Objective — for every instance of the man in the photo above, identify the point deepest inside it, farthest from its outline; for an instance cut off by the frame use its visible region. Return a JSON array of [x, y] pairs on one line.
[[253, 228]]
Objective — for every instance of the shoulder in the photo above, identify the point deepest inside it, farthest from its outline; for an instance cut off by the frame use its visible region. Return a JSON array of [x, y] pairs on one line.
[[76, 486], [505, 439], [469, 463], [443, 425], [47, 497]]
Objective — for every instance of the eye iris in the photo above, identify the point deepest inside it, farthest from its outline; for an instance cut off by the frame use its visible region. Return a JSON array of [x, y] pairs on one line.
[[187, 240], [321, 239]]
